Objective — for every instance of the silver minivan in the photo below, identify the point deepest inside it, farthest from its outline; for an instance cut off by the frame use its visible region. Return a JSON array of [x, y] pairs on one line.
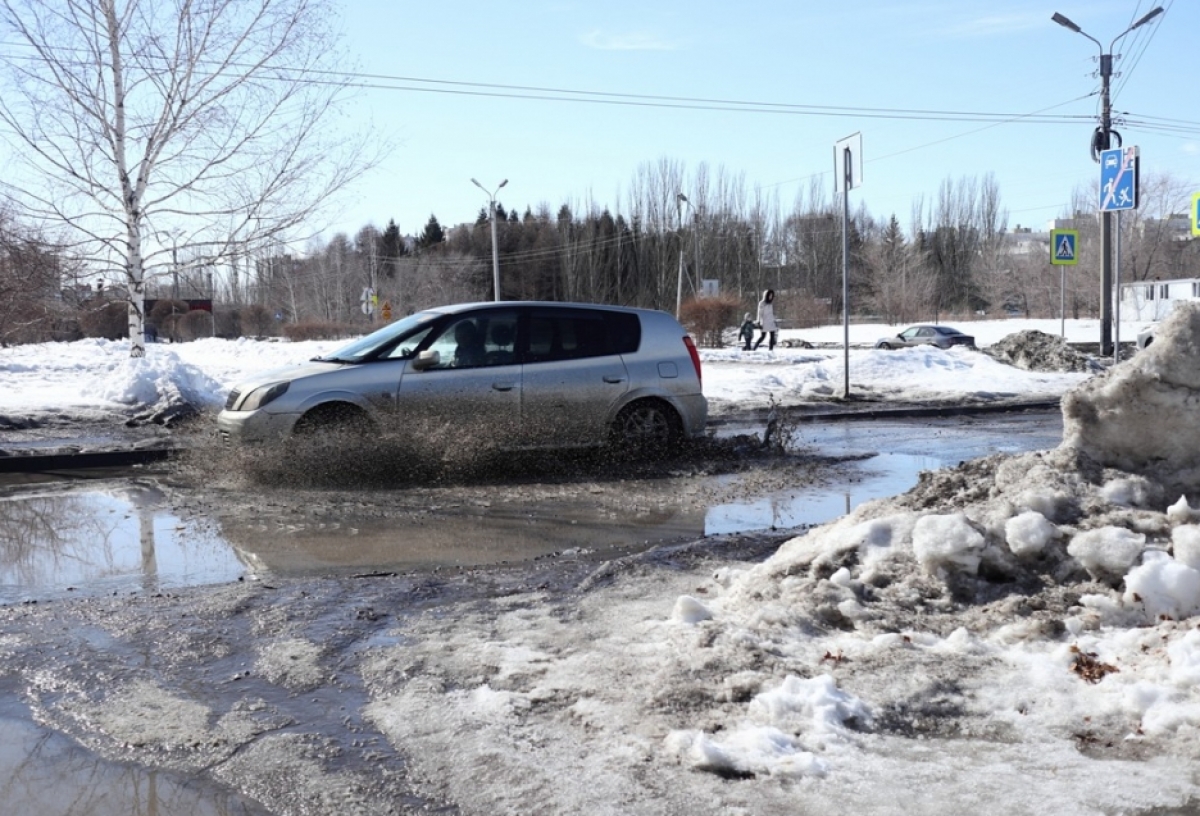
[[521, 374]]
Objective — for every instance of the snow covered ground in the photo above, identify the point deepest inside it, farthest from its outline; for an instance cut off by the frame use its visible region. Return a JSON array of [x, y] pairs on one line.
[[1018, 635], [95, 380]]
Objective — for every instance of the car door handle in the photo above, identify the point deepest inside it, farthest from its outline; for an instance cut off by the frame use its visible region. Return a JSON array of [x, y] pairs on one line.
[[503, 386], [612, 378]]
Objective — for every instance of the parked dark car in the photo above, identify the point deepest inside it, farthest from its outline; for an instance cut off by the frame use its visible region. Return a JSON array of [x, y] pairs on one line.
[[526, 374], [943, 337]]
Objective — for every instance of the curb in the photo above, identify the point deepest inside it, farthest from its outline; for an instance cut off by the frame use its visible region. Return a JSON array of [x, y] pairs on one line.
[[841, 414]]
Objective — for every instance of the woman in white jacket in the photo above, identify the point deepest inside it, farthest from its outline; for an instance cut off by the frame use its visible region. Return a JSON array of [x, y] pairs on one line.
[[766, 320]]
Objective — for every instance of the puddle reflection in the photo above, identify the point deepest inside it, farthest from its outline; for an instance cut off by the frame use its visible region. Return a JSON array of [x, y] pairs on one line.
[[887, 474], [43, 772], [104, 539]]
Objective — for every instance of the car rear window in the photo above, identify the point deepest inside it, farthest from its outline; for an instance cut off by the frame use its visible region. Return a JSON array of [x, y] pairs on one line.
[[579, 333]]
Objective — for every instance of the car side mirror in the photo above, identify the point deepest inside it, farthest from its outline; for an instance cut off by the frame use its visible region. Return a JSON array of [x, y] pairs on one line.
[[427, 359]]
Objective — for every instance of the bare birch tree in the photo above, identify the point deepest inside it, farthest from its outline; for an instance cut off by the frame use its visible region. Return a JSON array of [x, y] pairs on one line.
[[207, 119]]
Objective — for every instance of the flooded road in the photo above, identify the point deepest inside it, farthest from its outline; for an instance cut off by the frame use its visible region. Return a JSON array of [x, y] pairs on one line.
[[146, 533]]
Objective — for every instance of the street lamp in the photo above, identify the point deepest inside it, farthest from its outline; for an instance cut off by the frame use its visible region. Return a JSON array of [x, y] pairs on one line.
[[1101, 140], [495, 248], [680, 200]]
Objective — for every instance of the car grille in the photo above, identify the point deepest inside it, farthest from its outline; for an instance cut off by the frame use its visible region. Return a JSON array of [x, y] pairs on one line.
[[232, 399]]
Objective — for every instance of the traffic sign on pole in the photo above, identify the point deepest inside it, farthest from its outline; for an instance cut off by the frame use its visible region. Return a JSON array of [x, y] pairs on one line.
[[1064, 246], [1195, 213], [1118, 179]]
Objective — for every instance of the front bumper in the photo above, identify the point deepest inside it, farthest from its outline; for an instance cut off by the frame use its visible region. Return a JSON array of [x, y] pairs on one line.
[[254, 426]]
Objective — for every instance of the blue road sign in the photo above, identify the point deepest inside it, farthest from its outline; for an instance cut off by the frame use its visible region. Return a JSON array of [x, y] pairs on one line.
[[1118, 179], [1063, 244]]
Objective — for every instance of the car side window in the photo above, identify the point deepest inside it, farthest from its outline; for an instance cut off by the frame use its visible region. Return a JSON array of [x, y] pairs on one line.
[[407, 347], [478, 340], [567, 336]]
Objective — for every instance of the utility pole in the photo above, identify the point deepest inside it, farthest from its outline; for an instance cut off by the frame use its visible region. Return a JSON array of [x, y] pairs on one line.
[[1102, 140]]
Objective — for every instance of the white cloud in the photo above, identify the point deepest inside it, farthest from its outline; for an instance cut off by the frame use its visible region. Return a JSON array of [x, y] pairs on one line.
[[627, 41]]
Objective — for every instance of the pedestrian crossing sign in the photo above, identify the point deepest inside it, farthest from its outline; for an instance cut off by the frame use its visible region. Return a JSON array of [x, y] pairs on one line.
[[1195, 214], [1063, 246]]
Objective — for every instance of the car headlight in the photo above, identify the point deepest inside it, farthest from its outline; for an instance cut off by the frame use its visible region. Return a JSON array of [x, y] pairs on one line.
[[263, 395]]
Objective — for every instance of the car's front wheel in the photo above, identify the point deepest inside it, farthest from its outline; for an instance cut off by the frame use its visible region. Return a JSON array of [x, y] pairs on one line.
[[646, 425], [885, 346], [334, 418]]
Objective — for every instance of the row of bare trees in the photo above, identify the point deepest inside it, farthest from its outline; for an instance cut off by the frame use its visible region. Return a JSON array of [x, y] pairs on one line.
[[956, 256]]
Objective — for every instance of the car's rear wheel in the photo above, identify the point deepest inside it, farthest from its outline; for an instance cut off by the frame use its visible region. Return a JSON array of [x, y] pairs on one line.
[[333, 418], [646, 425]]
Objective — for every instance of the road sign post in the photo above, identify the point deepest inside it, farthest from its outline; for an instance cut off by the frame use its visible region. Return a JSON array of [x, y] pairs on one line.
[[1064, 252], [1119, 186], [847, 174], [1195, 213], [1119, 181]]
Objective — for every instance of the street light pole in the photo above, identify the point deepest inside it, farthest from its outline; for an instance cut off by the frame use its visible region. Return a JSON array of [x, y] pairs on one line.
[[1102, 140], [680, 200], [495, 247]]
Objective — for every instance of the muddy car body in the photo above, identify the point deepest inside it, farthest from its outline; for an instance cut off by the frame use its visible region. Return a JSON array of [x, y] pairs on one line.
[[524, 375]]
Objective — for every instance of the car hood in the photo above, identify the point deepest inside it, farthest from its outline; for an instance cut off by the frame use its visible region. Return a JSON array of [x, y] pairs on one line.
[[289, 373]]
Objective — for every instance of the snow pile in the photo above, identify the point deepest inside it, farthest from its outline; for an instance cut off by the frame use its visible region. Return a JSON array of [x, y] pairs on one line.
[[1034, 350], [1039, 597], [1141, 417]]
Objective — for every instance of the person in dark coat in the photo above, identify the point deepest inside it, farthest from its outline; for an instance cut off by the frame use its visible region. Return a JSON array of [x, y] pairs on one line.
[[746, 335]]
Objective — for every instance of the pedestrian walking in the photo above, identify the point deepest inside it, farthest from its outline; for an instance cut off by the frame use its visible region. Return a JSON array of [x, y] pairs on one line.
[[746, 335], [766, 320]]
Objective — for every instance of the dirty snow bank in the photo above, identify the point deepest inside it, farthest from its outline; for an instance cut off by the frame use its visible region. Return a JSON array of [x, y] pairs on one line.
[[1034, 350], [1059, 586]]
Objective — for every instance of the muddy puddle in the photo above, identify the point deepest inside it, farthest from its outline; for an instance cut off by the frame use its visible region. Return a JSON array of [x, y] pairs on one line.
[[126, 535], [47, 773]]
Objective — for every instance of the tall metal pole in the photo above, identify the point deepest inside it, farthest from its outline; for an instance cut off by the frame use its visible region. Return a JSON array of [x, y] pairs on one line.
[[495, 245], [680, 200], [847, 175], [1117, 298], [495, 251], [1103, 141]]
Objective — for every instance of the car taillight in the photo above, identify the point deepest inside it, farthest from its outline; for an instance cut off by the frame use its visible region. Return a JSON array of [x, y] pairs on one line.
[[691, 347]]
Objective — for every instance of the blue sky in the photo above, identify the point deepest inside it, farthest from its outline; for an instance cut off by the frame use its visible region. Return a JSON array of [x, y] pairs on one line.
[[926, 55]]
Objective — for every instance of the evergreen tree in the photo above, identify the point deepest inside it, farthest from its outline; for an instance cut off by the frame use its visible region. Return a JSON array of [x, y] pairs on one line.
[[391, 249], [433, 234]]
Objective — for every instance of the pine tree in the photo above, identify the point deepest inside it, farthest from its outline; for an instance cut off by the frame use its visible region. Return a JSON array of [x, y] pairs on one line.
[[433, 235]]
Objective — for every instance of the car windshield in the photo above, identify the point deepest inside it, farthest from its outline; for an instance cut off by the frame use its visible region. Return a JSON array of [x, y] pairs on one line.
[[948, 330], [391, 334]]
